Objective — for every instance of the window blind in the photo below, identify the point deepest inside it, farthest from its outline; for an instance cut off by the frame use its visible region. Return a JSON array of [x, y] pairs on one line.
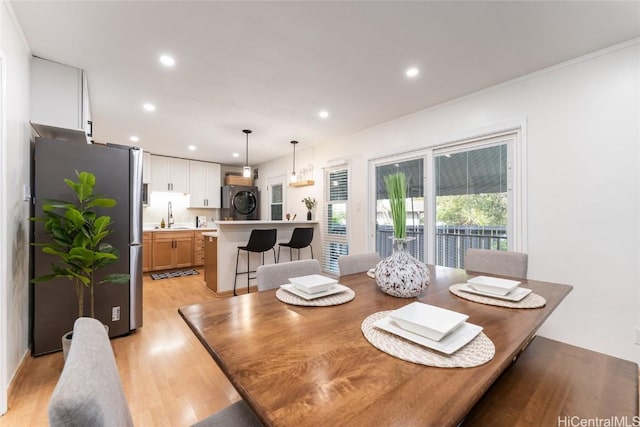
[[478, 171], [276, 202], [335, 217]]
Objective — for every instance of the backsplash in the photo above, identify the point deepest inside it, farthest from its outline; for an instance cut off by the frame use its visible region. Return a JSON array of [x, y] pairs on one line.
[[183, 216]]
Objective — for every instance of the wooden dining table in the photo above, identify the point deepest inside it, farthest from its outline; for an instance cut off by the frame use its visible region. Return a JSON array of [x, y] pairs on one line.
[[312, 366]]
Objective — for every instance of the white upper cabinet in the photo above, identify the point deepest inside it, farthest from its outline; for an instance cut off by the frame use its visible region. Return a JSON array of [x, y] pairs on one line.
[[59, 95], [146, 167], [169, 174], [204, 184]]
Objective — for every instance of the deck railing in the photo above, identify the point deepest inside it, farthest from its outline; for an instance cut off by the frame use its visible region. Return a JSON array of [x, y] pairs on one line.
[[451, 241]]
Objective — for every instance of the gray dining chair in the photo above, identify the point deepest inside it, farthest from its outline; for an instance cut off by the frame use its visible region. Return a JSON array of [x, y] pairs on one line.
[[273, 275], [89, 391], [351, 264], [501, 263]]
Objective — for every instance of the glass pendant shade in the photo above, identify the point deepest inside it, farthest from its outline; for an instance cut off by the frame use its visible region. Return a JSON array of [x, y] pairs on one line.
[[294, 177]]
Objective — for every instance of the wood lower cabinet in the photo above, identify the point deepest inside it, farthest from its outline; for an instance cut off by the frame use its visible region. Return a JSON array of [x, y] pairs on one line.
[[172, 249], [198, 249], [211, 264], [147, 251]]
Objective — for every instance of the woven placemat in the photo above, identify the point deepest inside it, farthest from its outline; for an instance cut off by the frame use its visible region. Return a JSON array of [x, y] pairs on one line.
[[478, 352], [532, 300], [335, 299]]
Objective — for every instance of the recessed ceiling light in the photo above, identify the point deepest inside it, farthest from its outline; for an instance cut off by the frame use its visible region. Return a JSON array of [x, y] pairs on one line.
[[412, 72], [236, 154], [149, 107], [323, 114], [192, 147], [167, 61], [134, 138]]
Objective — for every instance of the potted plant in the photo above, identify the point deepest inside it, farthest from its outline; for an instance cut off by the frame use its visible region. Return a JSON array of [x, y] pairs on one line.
[[77, 236], [309, 203], [400, 274]]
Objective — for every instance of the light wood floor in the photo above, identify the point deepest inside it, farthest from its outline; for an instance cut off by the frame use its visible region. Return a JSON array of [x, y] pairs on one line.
[[168, 377]]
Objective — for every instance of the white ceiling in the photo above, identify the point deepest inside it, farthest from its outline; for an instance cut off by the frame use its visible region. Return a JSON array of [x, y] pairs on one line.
[[272, 66]]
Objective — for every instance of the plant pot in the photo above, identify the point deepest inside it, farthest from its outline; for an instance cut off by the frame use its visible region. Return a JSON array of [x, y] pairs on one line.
[[66, 342], [401, 275], [308, 215]]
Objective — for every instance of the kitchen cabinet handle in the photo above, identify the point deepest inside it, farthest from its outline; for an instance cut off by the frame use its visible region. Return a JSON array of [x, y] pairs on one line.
[[168, 186]]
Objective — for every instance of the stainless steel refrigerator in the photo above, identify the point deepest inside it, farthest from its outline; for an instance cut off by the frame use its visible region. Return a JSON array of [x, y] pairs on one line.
[[118, 171]]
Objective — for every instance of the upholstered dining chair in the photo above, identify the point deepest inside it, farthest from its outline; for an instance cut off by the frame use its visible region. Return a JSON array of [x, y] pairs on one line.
[[501, 263], [89, 391], [351, 264], [273, 275]]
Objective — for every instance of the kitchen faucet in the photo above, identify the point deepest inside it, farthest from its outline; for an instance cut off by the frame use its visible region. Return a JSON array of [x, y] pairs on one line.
[[169, 216]]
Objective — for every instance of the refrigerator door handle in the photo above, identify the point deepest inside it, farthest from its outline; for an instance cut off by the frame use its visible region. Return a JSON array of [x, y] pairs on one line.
[[135, 177], [135, 287]]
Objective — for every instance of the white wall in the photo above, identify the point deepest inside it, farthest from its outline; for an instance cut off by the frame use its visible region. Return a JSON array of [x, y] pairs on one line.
[[582, 130], [292, 196], [183, 216], [15, 174]]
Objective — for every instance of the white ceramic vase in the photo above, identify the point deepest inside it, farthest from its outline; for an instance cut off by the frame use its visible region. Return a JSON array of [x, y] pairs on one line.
[[401, 275]]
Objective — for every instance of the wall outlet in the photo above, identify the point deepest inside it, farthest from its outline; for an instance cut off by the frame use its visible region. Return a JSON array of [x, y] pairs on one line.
[[26, 193], [638, 335], [115, 314]]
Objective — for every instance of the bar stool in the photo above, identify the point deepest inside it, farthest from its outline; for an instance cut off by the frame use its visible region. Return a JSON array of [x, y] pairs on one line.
[[301, 238], [260, 241]]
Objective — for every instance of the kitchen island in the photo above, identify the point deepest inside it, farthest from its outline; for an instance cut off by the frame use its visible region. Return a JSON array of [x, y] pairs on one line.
[[220, 255]]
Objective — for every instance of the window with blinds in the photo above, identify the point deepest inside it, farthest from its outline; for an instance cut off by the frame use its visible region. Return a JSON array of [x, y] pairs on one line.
[[335, 218], [462, 194], [276, 202], [471, 202]]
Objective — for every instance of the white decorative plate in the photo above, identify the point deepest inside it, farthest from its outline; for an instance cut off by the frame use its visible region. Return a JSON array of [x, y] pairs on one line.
[[427, 320], [516, 295], [447, 345], [335, 289], [313, 283], [493, 285]]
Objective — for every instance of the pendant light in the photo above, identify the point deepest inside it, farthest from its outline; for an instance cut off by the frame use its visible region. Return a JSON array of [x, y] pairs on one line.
[[293, 173], [246, 169]]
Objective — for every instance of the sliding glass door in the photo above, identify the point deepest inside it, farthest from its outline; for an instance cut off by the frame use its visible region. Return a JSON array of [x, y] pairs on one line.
[[459, 196]]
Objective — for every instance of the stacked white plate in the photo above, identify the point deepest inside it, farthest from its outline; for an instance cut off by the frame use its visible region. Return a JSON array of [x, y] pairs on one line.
[[495, 287], [437, 328], [313, 286]]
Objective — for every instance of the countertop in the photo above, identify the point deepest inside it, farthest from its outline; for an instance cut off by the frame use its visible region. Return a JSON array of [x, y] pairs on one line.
[[146, 229], [259, 222]]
